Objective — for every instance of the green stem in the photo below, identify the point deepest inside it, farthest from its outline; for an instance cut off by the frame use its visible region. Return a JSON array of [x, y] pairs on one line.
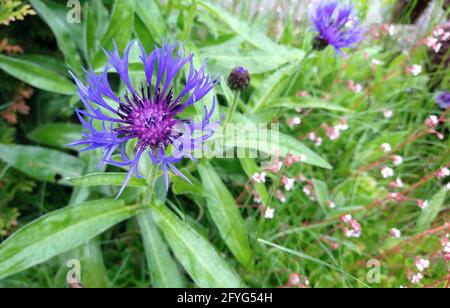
[[232, 107], [149, 195]]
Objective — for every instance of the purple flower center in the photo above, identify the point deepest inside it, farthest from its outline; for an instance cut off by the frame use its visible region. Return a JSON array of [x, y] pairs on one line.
[[151, 121]]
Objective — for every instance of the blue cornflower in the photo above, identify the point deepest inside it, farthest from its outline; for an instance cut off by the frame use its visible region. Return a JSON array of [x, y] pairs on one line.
[[443, 99], [336, 25], [149, 115]]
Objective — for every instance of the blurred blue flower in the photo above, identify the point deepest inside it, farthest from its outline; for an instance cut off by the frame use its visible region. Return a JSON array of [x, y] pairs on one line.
[[149, 115], [443, 99], [337, 25]]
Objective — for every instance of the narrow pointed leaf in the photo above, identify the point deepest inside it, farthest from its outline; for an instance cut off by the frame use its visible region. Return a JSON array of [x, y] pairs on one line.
[[57, 232], [205, 266]]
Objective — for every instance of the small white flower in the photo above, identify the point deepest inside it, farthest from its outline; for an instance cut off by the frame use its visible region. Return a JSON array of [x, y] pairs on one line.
[[387, 172], [422, 204], [346, 218], [444, 172], [387, 113], [307, 191], [294, 121], [259, 177], [416, 278], [434, 120], [397, 160], [447, 186], [318, 142], [270, 212], [376, 62], [392, 30], [312, 136], [331, 204], [415, 69], [396, 233], [399, 182], [386, 147], [422, 264], [289, 185]]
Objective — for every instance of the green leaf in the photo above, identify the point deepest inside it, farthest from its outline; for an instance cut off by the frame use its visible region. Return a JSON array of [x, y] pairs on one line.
[[36, 75], [104, 179], [208, 99], [93, 271], [271, 87], [56, 135], [430, 213], [248, 32], [47, 11], [263, 143], [41, 163], [144, 36], [311, 259], [229, 55], [225, 214], [96, 17], [151, 16], [306, 103], [195, 253], [120, 29], [164, 272], [321, 190], [181, 187], [57, 232]]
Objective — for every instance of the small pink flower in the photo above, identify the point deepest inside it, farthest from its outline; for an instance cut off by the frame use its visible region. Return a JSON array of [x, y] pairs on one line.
[[432, 121], [294, 121], [307, 190], [275, 167], [346, 218], [291, 159], [331, 204], [343, 125], [397, 160], [416, 278], [259, 177], [318, 142], [257, 198], [288, 183], [414, 70], [422, 204], [334, 246], [386, 147], [355, 87], [422, 264], [269, 214], [312, 136], [387, 172], [294, 279], [302, 93], [395, 233], [280, 196], [332, 133], [397, 196], [444, 172]]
